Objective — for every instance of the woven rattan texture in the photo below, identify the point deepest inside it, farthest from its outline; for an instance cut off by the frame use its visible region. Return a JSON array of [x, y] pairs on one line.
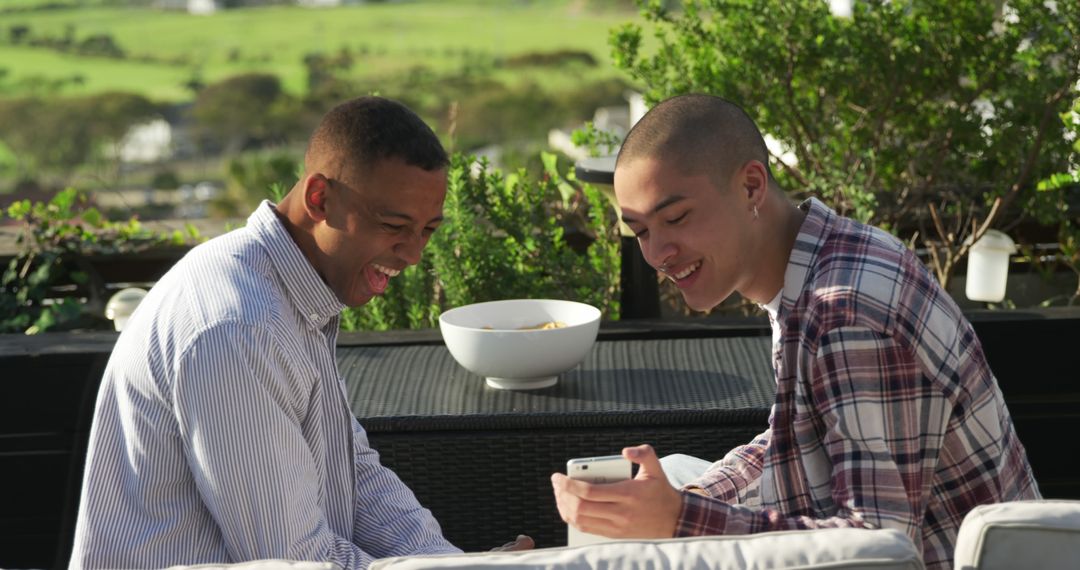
[[412, 387], [486, 487], [481, 459]]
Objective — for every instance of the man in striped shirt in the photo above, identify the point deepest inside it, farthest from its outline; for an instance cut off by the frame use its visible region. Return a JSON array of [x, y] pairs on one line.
[[222, 432], [886, 413]]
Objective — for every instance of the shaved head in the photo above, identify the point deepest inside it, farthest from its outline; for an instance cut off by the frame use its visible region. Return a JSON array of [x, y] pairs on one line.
[[363, 131], [701, 134]]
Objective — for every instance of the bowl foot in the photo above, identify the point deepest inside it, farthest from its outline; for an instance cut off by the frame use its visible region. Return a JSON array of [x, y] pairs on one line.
[[522, 383]]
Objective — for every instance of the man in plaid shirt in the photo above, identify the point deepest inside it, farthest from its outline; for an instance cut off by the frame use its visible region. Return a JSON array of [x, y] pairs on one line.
[[886, 413]]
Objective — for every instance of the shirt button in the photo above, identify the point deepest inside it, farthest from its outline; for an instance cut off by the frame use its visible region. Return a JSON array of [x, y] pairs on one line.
[[314, 316]]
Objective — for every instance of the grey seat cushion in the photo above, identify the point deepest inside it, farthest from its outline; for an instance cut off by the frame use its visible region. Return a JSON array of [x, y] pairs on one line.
[[830, 548], [1031, 535]]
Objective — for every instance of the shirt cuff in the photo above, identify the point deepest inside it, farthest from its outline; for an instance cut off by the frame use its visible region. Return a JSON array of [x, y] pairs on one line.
[[717, 483], [701, 516], [696, 489]]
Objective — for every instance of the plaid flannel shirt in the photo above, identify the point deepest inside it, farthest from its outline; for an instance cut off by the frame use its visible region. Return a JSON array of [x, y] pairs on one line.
[[886, 412]]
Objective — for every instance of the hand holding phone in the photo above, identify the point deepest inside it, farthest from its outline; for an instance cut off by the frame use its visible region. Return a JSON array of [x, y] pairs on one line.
[[596, 470]]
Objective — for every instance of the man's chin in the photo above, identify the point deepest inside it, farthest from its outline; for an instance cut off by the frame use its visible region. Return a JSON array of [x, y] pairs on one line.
[[354, 303], [701, 305], [356, 300]]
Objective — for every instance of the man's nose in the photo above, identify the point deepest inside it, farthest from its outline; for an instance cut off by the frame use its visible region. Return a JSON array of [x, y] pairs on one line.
[[411, 248], [658, 252]]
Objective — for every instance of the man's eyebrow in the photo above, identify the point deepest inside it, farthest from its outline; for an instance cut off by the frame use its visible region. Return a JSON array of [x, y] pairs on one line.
[[406, 217], [663, 204]]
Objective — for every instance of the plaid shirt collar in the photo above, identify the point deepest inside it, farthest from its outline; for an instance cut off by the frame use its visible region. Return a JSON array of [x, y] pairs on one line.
[[813, 232]]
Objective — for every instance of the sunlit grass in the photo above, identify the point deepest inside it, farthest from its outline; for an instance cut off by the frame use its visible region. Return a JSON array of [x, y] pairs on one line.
[[28, 67], [165, 49]]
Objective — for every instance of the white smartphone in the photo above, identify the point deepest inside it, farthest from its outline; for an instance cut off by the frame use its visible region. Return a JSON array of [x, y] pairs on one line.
[[604, 469]]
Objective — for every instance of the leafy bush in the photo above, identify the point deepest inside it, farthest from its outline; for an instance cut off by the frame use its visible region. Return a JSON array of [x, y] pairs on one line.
[[58, 135], [166, 179], [18, 33], [555, 58], [928, 117], [505, 236], [250, 175], [60, 236], [243, 111], [99, 45], [1063, 200], [595, 141], [478, 108]]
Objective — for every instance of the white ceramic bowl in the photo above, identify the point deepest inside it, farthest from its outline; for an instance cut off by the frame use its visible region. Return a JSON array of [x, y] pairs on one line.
[[486, 339]]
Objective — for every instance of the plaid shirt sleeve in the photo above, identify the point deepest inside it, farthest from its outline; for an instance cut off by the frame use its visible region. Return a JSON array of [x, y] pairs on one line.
[[729, 478], [880, 424]]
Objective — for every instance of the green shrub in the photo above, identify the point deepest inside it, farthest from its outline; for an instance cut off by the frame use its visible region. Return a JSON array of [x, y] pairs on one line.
[[503, 237], [60, 235], [166, 179], [1062, 205], [99, 45], [557, 58], [56, 136], [928, 117], [245, 111], [249, 178]]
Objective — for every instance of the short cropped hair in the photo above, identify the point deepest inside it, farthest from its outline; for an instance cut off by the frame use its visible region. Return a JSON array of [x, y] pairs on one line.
[[366, 130], [702, 134]]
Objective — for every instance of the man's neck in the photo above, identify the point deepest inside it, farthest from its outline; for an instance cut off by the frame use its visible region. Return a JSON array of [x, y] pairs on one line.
[[776, 246], [291, 215]]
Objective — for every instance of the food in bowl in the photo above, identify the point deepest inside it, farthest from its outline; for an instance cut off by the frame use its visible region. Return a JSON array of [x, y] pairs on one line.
[[545, 326], [540, 327], [520, 343]]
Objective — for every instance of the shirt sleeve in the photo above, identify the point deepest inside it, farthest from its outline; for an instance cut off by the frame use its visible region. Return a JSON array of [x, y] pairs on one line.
[[731, 478], [239, 414], [388, 520], [883, 426]]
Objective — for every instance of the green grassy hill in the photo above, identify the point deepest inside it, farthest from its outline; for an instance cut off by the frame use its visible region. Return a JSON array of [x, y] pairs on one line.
[[163, 50]]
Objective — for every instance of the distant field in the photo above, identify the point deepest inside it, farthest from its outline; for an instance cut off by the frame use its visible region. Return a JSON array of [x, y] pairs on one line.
[[164, 49], [13, 5]]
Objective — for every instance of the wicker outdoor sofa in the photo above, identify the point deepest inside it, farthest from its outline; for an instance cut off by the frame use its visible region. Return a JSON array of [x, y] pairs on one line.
[[1033, 535], [481, 459]]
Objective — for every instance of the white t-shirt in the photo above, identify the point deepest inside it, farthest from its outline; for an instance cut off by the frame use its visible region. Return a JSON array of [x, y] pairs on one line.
[[772, 307]]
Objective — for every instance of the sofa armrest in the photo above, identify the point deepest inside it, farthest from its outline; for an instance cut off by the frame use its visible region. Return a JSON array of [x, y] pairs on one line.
[[1021, 534]]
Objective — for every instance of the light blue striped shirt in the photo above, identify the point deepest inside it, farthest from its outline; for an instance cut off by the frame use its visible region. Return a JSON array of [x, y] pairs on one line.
[[222, 432]]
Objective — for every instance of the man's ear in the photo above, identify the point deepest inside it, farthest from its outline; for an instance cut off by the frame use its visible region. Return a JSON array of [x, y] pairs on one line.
[[316, 187], [755, 182]]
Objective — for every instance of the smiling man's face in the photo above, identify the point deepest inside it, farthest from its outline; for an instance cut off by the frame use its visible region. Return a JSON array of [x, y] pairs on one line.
[[689, 228], [376, 225]]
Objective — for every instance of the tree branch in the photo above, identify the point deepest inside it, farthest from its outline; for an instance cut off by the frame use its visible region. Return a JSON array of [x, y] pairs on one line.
[[1001, 203], [794, 172], [793, 109]]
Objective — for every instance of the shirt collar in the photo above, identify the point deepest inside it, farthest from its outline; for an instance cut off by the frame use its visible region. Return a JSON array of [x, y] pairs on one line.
[[309, 293], [816, 227], [773, 306]]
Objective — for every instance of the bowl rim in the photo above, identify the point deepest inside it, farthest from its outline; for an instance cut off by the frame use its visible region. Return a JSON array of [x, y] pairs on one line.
[[595, 317]]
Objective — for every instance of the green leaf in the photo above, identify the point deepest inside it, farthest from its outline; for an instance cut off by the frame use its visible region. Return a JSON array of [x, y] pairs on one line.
[[63, 201], [92, 216], [1058, 181], [19, 210]]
